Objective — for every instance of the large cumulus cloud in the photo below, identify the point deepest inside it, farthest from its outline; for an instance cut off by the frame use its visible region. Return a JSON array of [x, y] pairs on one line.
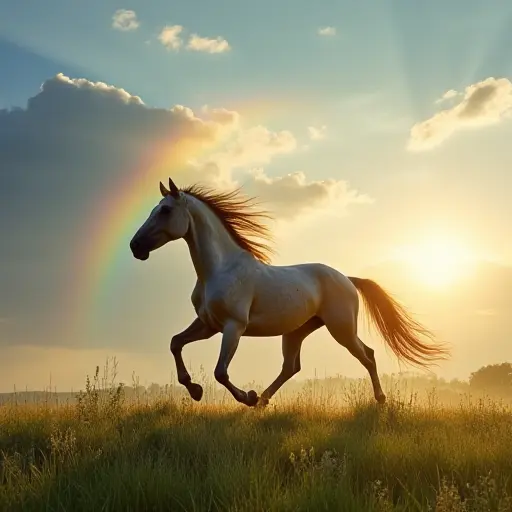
[[75, 135], [292, 195]]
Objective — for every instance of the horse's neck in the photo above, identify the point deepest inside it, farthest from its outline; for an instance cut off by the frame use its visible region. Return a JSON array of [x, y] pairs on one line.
[[209, 242]]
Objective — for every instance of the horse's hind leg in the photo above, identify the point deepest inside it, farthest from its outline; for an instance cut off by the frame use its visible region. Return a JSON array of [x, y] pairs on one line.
[[344, 331], [291, 345], [372, 370]]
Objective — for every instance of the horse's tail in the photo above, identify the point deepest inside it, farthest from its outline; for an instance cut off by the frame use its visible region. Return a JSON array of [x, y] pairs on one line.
[[400, 331]]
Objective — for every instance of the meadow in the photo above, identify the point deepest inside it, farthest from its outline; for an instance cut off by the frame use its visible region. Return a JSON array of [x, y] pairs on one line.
[[321, 447]]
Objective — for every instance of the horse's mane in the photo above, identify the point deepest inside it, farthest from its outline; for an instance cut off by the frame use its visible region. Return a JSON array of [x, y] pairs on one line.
[[238, 217]]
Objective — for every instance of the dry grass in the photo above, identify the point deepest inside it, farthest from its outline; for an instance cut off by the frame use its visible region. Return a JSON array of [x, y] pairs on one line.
[[305, 453]]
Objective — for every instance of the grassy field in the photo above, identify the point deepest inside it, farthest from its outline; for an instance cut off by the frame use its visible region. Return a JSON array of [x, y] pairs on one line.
[[305, 453]]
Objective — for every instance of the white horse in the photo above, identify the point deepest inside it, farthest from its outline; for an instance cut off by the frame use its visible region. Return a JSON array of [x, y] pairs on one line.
[[238, 293]]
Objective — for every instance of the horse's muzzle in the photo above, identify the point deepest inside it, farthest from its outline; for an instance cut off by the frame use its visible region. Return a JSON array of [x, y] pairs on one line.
[[138, 250]]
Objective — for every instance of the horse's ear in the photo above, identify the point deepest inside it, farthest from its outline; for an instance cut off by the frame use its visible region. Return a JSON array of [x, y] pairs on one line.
[[173, 189], [163, 190]]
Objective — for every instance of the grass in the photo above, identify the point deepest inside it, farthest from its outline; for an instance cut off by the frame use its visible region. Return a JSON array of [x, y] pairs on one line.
[[104, 454]]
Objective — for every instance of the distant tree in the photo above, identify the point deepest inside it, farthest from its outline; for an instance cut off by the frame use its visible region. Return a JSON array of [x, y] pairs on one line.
[[493, 377], [458, 385]]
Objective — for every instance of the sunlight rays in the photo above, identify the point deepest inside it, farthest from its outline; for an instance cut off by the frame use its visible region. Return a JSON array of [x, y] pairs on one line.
[[436, 262]]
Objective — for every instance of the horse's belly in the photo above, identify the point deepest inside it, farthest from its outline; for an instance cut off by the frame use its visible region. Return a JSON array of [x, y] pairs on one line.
[[264, 325], [281, 311]]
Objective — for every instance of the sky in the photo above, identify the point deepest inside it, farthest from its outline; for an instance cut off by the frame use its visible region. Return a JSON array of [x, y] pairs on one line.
[[376, 133]]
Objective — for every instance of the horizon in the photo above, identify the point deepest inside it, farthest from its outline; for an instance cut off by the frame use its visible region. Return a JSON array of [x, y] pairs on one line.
[[380, 149], [108, 378]]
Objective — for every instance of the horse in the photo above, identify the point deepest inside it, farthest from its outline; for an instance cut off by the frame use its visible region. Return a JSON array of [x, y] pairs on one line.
[[239, 292]]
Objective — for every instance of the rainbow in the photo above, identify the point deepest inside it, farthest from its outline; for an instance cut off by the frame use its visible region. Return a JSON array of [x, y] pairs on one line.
[[116, 215], [122, 207]]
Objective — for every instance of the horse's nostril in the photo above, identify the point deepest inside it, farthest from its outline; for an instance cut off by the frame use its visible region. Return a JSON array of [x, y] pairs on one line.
[[139, 250]]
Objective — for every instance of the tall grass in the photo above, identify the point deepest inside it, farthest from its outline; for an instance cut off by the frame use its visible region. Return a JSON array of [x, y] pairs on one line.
[[330, 449]]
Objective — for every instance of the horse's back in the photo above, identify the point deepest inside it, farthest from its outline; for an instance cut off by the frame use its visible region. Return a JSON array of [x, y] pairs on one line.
[[320, 274]]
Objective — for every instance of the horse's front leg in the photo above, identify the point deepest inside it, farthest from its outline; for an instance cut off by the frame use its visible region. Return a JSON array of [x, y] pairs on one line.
[[196, 331], [230, 337]]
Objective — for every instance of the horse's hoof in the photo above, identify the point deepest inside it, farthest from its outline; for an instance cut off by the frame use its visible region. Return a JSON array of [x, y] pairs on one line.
[[252, 398], [262, 402], [196, 391], [381, 399]]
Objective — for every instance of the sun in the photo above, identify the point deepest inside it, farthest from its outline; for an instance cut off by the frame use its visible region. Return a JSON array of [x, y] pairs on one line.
[[437, 262]]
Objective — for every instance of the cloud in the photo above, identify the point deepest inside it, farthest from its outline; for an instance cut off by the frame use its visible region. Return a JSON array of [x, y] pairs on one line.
[[484, 103], [327, 31], [88, 131], [246, 148], [170, 37], [448, 95], [208, 45], [292, 195], [255, 146], [75, 132], [286, 197], [221, 115], [125, 20], [75, 108], [317, 133]]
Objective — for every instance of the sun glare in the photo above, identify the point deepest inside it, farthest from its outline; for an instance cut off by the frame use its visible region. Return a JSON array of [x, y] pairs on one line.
[[436, 262]]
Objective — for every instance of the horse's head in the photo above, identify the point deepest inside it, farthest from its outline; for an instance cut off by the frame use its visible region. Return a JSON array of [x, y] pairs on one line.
[[168, 221]]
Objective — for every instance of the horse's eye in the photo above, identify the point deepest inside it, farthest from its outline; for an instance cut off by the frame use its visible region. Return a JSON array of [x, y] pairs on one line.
[[165, 209]]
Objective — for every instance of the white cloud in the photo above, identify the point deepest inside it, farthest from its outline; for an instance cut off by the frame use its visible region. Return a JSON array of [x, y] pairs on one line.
[[120, 128], [245, 149], [317, 133], [292, 195], [221, 115], [483, 103], [170, 37], [208, 45], [61, 84], [288, 196], [102, 131], [124, 19], [327, 31], [253, 146], [448, 95]]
